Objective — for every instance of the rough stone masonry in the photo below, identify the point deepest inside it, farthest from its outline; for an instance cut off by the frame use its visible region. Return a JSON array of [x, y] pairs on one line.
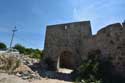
[[66, 45]]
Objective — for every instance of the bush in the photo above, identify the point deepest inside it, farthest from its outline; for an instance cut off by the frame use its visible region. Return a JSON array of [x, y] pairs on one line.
[[2, 45], [95, 70], [88, 71], [20, 48], [37, 54], [33, 53]]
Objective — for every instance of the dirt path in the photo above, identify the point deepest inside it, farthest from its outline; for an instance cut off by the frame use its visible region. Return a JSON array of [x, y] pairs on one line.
[[44, 80], [5, 78]]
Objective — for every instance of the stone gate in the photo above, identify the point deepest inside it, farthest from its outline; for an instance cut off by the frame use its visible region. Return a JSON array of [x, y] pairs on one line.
[[64, 42], [67, 45]]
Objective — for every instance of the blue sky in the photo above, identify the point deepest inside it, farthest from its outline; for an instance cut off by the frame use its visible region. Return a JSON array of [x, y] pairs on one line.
[[32, 16]]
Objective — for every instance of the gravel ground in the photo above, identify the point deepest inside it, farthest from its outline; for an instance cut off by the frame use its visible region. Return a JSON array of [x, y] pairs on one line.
[[5, 78]]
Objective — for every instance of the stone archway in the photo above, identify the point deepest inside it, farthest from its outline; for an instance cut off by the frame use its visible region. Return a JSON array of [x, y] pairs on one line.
[[66, 60]]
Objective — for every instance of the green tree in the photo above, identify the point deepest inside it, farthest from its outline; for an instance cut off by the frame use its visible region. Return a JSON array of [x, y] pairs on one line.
[[20, 48], [32, 53], [36, 53], [28, 51], [2, 45]]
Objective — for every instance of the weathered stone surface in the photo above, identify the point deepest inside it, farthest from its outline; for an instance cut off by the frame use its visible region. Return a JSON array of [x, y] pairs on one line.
[[111, 41], [63, 43], [69, 44]]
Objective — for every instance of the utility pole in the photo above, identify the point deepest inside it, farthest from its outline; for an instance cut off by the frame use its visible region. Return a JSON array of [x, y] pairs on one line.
[[13, 34]]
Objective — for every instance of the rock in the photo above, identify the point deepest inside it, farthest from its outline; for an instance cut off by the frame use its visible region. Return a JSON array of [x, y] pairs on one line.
[[25, 59], [19, 65], [22, 68], [25, 73], [18, 74], [8, 63]]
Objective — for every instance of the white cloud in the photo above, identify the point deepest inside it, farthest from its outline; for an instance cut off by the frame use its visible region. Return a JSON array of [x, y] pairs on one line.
[[100, 13]]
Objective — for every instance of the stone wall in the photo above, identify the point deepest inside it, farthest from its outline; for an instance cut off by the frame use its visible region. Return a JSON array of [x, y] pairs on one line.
[[66, 38], [111, 41], [76, 40]]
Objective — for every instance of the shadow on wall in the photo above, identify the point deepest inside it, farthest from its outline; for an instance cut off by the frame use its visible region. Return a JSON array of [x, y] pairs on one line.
[[66, 60]]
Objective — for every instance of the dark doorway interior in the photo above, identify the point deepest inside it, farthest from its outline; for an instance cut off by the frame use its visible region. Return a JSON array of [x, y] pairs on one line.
[[66, 60]]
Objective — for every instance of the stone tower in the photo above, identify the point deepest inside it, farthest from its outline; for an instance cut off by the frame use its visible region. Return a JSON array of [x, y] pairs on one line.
[[63, 43]]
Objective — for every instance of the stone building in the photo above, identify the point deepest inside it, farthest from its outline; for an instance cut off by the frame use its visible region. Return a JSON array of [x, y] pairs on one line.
[[66, 45], [64, 41]]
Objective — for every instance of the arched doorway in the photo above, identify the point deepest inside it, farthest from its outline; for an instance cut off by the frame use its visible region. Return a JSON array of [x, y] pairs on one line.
[[66, 60]]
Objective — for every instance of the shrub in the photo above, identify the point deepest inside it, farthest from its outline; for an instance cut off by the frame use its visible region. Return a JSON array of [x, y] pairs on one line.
[[2, 45], [37, 54], [33, 53], [89, 69], [20, 48], [96, 70]]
